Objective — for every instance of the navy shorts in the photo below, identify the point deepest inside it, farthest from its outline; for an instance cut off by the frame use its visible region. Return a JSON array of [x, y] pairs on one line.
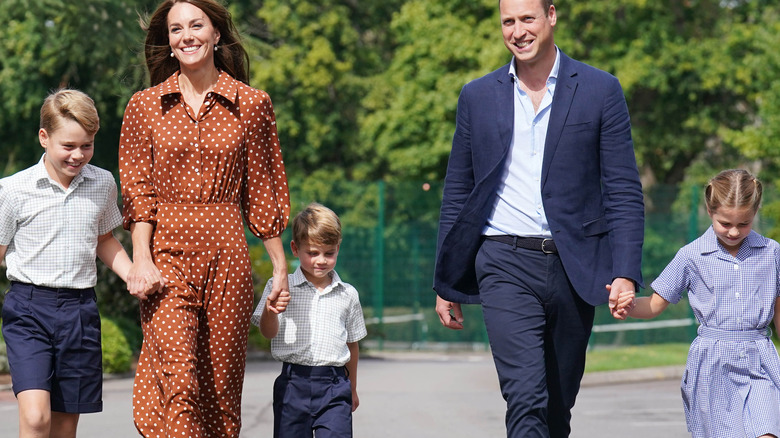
[[312, 400], [52, 338]]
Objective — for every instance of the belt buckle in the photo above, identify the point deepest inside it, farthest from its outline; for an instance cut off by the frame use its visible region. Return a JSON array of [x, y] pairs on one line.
[[545, 250]]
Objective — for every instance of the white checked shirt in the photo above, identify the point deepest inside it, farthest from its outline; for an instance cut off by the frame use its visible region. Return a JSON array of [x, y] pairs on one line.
[[316, 326], [52, 232]]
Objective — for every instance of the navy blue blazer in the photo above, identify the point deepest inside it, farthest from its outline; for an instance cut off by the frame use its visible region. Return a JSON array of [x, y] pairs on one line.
[[590, 185]]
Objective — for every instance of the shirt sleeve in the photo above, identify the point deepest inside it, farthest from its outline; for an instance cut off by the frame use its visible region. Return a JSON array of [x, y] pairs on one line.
[[255, 319], [139, 200], [674, 279], [110, 217], [356, 324], [265, 199], [7, 217]]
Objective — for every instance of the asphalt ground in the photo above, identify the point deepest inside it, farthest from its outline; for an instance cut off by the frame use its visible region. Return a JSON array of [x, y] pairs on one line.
[[421, 395]]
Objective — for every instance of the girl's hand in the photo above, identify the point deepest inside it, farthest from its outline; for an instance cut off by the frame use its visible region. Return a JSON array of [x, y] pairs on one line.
[[625, 303]]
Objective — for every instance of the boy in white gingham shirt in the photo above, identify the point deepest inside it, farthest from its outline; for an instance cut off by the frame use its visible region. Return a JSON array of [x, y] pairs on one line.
[[314, 330], [56, 217]]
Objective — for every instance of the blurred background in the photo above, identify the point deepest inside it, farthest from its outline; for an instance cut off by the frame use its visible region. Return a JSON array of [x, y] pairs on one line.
[[365, 94]]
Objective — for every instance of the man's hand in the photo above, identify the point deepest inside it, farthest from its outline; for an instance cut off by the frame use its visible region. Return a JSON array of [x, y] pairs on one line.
[[452, 320], [620, 286]]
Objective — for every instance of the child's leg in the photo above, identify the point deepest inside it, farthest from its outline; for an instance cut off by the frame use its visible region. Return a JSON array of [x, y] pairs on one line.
[[333, 398], [34, 413], [63, 425]]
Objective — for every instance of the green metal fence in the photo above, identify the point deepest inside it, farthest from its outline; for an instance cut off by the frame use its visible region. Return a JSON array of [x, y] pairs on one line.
[[388, 251], [388, 254]]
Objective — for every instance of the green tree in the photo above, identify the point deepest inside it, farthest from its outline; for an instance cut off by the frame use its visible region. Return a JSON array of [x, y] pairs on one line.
[[92, 45], [410, 109], [314, 58]]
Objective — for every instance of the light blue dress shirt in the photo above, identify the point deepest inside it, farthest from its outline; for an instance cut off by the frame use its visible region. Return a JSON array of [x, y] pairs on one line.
[[518, 209]]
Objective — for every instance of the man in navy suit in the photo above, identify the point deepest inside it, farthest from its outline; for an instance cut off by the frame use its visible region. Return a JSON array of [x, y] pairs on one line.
[[542, 209]]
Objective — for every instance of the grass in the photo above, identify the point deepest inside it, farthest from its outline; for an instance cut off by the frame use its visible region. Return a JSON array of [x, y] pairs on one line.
[[643, 356]]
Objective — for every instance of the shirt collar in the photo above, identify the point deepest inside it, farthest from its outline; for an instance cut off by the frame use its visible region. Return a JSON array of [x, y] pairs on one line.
[[298, 279], [709, 243], [552, 77], [40, 173], [226, 87]]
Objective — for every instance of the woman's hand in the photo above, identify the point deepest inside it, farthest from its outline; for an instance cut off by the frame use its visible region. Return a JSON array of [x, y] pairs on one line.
[[144, 279]]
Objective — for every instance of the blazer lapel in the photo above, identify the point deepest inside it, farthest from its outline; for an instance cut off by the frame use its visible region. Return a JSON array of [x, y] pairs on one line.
[[505, 106], [565, 88]]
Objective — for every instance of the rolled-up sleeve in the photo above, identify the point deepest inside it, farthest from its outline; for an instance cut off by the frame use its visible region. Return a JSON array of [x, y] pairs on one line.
[[139, 200]]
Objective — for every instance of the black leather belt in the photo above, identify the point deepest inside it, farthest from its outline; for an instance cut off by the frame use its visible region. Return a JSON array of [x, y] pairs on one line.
[[546, 246]]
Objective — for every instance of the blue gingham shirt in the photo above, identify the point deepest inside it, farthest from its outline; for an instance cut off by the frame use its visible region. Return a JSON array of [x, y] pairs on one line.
[[726, 292], [317, 325], [52, 232]]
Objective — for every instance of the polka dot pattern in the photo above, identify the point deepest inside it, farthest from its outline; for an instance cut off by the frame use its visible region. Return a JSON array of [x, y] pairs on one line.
[[194, 175]]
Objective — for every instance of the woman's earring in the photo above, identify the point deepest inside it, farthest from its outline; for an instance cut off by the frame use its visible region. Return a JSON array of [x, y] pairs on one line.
[[216, 47], [172, 54]]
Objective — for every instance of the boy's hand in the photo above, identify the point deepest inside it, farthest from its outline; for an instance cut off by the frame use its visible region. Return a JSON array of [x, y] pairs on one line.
[[279, 304], [355, 401], [625, 303]]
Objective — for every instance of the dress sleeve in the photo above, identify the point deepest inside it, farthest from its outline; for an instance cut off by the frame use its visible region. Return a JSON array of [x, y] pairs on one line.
[[136, 161], [675, 279], [265, 198]]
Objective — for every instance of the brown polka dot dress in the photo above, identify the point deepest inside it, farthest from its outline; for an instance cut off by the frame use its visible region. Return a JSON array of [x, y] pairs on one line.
[[194, 175]]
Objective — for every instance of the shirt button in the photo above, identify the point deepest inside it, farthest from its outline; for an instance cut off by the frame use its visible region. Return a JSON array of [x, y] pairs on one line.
[[736, 294], [736, 267]]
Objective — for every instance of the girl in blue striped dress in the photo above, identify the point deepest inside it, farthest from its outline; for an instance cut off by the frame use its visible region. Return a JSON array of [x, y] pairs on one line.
[[731, 385]]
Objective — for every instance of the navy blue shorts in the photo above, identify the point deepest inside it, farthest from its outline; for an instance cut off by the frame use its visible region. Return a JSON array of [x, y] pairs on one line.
[[53, 341], [312, 399]]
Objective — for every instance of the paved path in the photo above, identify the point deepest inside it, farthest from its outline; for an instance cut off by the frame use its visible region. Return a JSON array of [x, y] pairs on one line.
[[427, 396]]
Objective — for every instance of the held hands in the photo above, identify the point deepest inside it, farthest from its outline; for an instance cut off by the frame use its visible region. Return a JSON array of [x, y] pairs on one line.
[[280, 294], [278, 304], [144, 279], [624, 304]]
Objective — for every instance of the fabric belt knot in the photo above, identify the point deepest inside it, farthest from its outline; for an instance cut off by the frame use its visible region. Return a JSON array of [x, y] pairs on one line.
[[544, 245], [734, 335]]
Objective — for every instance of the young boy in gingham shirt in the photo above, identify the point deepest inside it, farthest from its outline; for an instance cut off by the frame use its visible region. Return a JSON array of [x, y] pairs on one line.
[[314, 330], [55, 218]]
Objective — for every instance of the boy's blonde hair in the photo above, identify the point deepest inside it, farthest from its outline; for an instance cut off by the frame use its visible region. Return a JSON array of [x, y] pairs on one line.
[[317, 224], [69, 104], [733, 188]]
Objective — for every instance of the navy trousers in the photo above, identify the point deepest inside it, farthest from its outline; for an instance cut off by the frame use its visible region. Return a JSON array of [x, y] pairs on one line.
[[309, 400], [538, 329]]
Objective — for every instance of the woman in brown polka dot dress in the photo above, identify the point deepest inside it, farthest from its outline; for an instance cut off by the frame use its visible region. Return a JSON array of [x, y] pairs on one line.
[[198, 151]]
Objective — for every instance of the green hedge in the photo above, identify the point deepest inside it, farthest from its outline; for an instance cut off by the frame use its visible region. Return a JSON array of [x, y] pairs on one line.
[[117, 354]]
